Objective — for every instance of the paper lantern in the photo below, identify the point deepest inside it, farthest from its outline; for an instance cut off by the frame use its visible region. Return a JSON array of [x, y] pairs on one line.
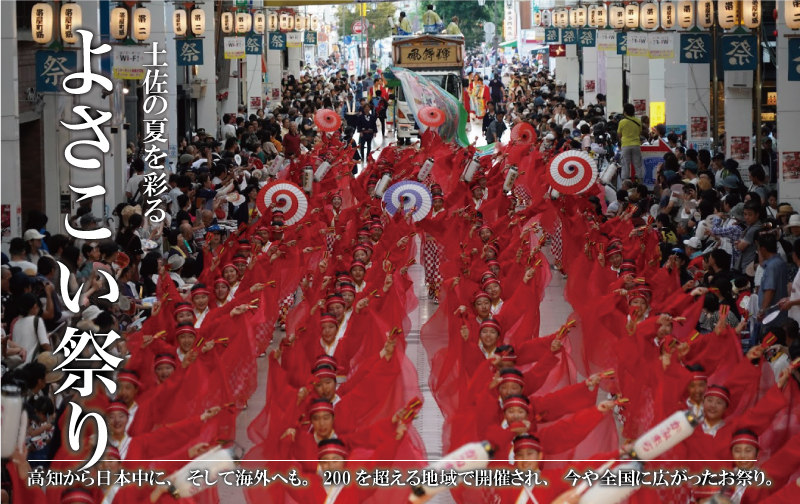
[[616, 17], [272, 22], [244, 22], [601, 16], [198, 21], [313, 23], [286, 22], [119, 23], [632, 16], [42, 23], [547, 18], [259, 22], [705, 14], [563, 18], [141, 24], [537, 18], [791, 12], [728, 14], [685, 14], [180, 23], [648, 16], [751, 13], [577, 17], [226, 22], [667, 15], [299, 22], [71, 18]]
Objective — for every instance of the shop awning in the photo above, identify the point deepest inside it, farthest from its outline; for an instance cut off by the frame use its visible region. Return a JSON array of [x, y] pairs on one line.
[[512, 44]]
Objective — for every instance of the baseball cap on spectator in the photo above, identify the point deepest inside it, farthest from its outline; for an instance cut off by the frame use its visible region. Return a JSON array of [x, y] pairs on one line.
[[91, 313], [690, 166], [730, 164], [88, 218], [176, 262], [730, 182], [18, 282], [32, 234], [694, 242], [719, 157], [185, 159], [785, 209], [26, 302]]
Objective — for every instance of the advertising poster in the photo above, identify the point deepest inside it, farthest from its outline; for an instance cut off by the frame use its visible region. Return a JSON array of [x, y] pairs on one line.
[[791, 165], [740, 148], [699, 127], [640, 106]]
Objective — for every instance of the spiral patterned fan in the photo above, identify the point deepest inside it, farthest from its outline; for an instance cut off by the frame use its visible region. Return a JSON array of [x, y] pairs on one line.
[[256, 163], [411, 195], [431, 116], [287, 197], [572, 172], [327, 120], [523, 133]]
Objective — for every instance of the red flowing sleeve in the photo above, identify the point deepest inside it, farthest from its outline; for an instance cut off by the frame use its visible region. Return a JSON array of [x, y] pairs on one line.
[[534, 349], [365, 400], [780, 466], [759, 418], [164, 440], [565, 434], [563, 401]]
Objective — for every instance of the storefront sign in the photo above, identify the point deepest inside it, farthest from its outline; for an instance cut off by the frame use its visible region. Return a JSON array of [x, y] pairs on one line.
[[606, 40], [51, 67], [190, 52], [128, 62], [234, 47], [660, 45], [695, 48]]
